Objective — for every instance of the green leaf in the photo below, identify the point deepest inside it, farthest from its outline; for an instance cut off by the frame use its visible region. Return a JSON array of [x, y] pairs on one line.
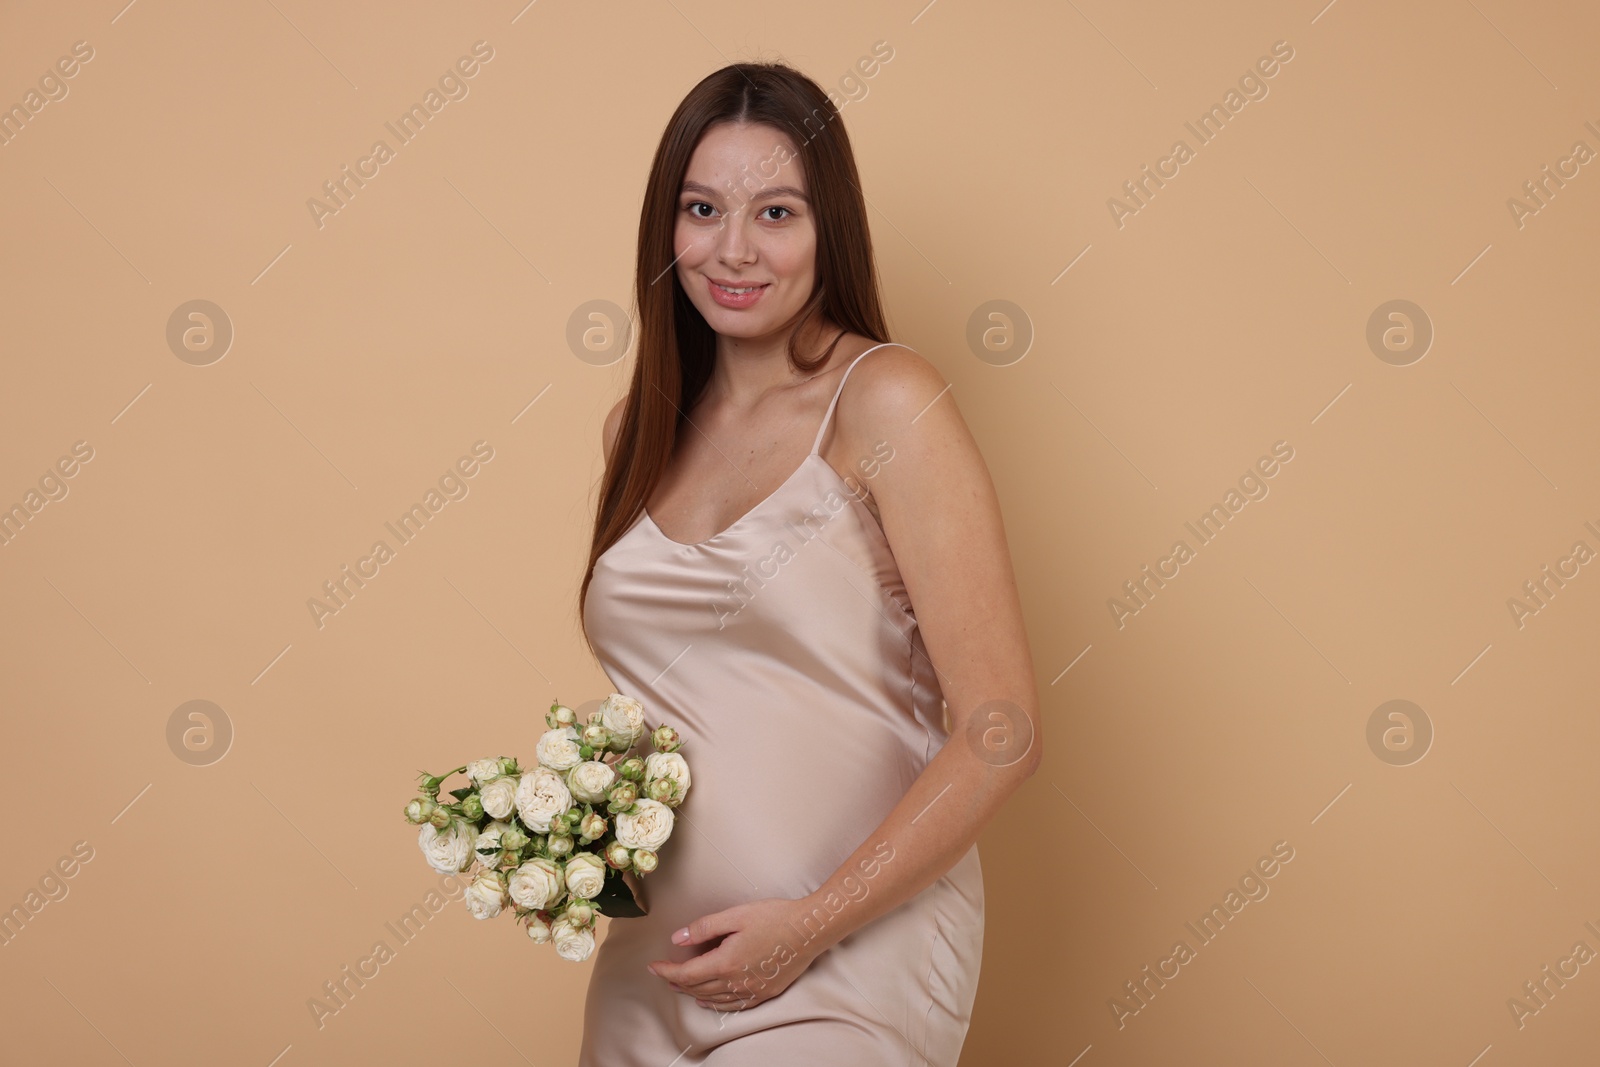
[[461, 794]]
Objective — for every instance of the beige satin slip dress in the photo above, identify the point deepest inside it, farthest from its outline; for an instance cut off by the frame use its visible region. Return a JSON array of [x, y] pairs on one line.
[[785, 652]]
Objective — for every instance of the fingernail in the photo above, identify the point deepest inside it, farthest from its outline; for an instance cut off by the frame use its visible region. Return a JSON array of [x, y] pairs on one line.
[[651, 969], [681, 935]]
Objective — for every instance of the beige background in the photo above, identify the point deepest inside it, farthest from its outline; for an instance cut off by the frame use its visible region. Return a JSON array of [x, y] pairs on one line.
[[432, 311]]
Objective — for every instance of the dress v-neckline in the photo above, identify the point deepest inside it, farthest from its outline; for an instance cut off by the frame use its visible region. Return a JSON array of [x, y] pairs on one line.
[[815, 453], [758, 506]]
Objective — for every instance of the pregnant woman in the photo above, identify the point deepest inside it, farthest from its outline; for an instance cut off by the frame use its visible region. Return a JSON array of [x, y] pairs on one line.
[[804, 579]]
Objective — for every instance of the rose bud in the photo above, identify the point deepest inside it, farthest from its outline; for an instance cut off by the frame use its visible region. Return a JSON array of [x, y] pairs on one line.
[[538, 930], [441, 816], [666, 739], [472, 807], [617, 855], [593, 826], [560, 844], [420, 810], [431, 783], [644, 860], [631, 768], [662, 789]]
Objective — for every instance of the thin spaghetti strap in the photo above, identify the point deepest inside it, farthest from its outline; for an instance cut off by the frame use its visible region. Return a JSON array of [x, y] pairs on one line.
[[828, 416]]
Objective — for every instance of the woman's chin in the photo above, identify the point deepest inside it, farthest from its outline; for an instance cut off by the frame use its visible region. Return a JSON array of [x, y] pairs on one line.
[[740, 324]]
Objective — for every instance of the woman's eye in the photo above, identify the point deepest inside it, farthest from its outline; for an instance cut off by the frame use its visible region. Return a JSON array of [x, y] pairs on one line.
[[693, 209]]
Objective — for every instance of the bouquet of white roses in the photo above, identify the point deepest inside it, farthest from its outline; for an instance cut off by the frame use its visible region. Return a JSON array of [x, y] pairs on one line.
[[540, 839]]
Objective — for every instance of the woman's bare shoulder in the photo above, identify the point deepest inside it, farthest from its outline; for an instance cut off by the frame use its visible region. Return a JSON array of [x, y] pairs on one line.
[[886, 390]]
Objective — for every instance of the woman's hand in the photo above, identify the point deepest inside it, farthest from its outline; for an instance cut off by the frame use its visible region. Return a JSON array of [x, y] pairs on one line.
[[764, 948]]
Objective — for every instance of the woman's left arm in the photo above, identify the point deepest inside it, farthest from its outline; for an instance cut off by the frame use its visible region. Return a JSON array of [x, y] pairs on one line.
[[942, 519]]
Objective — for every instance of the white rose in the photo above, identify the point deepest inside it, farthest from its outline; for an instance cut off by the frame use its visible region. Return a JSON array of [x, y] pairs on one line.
[[486, 895], [450, 851], [538, 930], [481, 770], [558, 748], [668, 765], [572, 943], [649, 827], [499, 797], [488, 842], [489, 837], [586, 875], [624, 717], [536, 884], [541, 796], [590, 779]]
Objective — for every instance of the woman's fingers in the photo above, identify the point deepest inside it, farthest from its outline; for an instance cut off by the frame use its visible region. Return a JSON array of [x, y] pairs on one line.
[[709, 987], [726, 1005], [714, 993]]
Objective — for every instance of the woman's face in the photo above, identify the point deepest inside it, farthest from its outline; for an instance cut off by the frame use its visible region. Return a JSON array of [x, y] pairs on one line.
[[743, 221]]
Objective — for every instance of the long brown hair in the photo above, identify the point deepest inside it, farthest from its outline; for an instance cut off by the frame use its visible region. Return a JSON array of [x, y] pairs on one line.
[[677, 347]]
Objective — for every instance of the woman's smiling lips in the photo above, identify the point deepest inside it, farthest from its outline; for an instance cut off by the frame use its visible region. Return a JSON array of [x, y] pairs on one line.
[[720, 292]]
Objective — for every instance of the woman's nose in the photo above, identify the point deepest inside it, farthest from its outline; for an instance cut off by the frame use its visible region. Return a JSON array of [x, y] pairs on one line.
[[733, 244]]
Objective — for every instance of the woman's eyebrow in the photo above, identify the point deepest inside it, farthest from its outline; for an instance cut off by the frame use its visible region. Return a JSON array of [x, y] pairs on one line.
[[765, 193]]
